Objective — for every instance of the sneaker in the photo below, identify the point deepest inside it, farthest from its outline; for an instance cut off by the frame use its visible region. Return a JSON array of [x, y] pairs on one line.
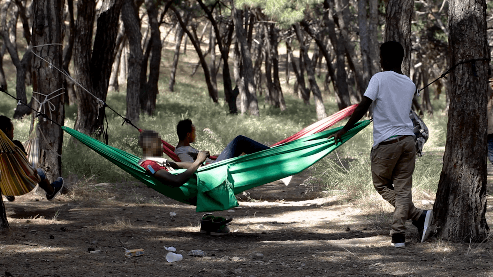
[[57, 187], [11, 198], [221, 231], [398, 240], [215, 226], [206, 223], [422, 224]]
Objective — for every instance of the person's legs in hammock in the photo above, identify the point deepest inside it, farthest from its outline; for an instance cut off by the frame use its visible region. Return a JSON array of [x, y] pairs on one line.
[[52, 189], [239, 145]]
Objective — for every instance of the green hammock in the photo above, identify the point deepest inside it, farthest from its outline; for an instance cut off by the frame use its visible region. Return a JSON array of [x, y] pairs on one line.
[[213, 187]]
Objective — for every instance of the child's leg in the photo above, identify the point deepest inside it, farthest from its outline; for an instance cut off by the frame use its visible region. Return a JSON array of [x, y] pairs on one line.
[[240, 144], [44, 183]]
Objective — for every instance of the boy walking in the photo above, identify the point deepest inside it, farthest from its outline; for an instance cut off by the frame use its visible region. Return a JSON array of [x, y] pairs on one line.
[[393, 153]]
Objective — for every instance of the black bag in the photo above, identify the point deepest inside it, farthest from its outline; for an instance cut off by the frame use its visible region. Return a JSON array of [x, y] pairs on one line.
[[421, 133]]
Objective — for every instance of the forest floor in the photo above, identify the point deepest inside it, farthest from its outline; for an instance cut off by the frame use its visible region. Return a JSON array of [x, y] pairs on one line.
[[277, 231]]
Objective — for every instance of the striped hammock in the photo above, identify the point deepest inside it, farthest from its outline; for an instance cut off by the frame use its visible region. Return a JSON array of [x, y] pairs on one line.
[[213, 187], [17, 176]]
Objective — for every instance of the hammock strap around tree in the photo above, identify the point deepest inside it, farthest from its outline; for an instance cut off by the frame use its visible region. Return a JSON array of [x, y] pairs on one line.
[[17, 176], [213, 187]]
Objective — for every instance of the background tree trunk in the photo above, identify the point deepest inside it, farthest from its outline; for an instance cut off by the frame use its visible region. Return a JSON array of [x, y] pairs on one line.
[[203, 62], [92, 65], [398, 27], [47, 29], [343, 99], [176, 57], [248, 97], [132, 29], [460, 204], [373, 37], [317, 95], [364, 41]]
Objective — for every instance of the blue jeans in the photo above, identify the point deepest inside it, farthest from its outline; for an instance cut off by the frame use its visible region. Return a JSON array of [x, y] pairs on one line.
[[490, 148], [41, 174], [239, 145]]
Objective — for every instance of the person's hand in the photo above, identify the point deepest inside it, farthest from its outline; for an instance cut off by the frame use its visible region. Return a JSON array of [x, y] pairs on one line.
[[202, 155], [337, 136]]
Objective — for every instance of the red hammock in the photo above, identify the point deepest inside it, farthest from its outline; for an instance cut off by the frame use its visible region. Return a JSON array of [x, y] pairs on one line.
[[316, 127]]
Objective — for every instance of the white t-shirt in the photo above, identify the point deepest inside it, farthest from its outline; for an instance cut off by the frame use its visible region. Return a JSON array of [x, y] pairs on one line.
[[392, 94]]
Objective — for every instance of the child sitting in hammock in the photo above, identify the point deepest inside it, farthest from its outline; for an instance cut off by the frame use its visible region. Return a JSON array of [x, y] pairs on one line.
[[186, 153], [155, 164], [52, 189]]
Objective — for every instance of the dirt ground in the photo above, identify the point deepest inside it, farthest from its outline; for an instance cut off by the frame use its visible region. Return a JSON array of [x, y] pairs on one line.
[[277, 231]]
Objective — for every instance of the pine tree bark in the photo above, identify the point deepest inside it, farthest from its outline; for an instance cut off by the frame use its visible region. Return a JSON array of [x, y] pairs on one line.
[[398, 27], [460, 206], [299, 74], [364, 41], [203, 62], [92, 65], [248, 97], [373, 37], [317, 94], [342, 91], [176, 56], [148, 95], [70, 97], [22, 66], [47, 22], [132, 30]]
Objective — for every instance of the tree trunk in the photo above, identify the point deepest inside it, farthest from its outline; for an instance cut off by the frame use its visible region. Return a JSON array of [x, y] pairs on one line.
[[21, 66], [426, 103], [373, 37], [317, 95], [272, 94], [115, 69], [92, 65], [248, 98], [275, 66], [149, 94], [205, 67], [3, 80], [132, 29], [176, 57], [70, 97], [342, 8], [212, 66], [300, 78], [460, 204], [364, 41], [47, 29], [343, 99], [398, 27]]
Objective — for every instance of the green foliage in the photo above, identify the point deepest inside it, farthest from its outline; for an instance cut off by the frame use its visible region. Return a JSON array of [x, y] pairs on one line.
[[284, 12]]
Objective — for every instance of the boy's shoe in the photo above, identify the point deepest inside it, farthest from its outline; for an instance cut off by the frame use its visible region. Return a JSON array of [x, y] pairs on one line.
[[423, 223], [11, 198], [399, 240], [206, 223], [57, 187], [215, 226], [221, 231]]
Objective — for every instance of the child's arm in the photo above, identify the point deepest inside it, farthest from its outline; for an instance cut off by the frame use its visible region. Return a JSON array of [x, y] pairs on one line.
[[178, 180], [358, 113]]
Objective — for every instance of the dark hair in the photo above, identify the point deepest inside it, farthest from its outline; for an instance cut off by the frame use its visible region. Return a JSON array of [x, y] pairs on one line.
[[5, 124], [147, 134], [183, 128], [392, 53]]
